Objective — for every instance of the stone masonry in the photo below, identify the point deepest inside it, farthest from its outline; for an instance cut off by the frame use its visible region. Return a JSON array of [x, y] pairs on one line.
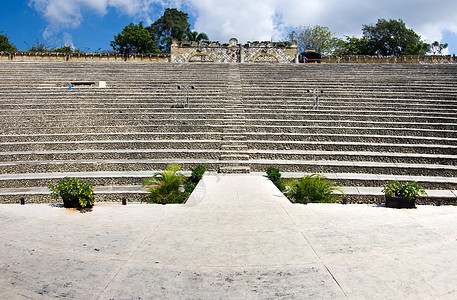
[[256, 52]]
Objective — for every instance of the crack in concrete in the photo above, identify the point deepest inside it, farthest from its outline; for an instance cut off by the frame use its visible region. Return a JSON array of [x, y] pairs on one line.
[[317, 255]]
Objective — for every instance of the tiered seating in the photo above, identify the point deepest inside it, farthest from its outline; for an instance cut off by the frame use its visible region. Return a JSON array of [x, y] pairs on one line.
[[115, 135], [374, 123]]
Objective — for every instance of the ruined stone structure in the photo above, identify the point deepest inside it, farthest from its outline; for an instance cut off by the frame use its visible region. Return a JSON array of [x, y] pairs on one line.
[[256, 52]]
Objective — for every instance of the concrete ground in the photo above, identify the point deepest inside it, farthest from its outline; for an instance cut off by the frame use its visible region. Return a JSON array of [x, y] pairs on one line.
[[236, 238]]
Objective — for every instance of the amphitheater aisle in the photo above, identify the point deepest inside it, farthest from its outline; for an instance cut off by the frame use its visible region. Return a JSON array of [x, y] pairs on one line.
[[374, 123]]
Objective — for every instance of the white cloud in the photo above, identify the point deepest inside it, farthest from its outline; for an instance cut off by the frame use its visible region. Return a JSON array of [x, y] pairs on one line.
[[245, 20], [264, 19], [63, 14], [68, 40]]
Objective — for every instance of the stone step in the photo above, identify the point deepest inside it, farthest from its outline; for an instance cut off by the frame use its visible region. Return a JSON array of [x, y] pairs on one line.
[[138, 194], [233, 130], [378, 180], [363, 167], [263, 147], [234, 157], [360, 195], [111, 145], [110, 154], [93, 136], [230, 124], [100, 165], [303, 115], [234, 147], [309, 132], [355, 156], [31, 180], [115, 165], [257, 109], [235, 170], [234, 137], [233, 117], [352, 146], [409, 158], [28, 129], [101, 194]]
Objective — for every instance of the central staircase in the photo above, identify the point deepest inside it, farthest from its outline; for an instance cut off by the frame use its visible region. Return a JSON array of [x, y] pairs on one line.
[[234, 155]]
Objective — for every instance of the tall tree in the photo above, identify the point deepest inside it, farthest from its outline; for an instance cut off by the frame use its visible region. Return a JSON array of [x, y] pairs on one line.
[[134, 39], [392, 38], [318, 38], [355, 46], [195, 36], [173, 24], [5, 44], [436, 48], [38, 46]]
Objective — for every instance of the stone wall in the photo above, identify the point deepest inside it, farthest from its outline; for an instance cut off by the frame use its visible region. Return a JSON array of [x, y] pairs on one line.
[[407, 59], [256, 52], [182, 52], [49, 56]]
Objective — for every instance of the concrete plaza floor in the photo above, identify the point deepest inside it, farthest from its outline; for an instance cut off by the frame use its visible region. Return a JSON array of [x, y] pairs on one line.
[[236, 238]]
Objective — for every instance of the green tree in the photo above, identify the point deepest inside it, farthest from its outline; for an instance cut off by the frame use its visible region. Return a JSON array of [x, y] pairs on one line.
[[64, 49], [5, 44], [38, 46], [134, 39], [189, 35], [436, 48], [420, 48], [318, 38], [355, 46], [195, 36], [172, 25], [392, 38]]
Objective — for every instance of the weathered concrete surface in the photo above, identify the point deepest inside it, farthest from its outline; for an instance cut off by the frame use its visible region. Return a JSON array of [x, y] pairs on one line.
[[236, 238]]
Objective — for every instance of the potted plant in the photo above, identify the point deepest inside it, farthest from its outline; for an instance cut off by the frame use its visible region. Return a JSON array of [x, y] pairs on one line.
[[402, 195], [74, 193]]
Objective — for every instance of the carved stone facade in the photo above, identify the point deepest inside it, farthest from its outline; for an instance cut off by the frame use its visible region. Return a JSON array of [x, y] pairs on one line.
[[256, 52]]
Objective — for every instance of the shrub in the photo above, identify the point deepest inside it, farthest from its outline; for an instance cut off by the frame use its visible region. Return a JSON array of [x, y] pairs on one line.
[[312, 188], [197, 173], [171, 187], [408, 190], [195, 177], [275, 176], [74, 193], [166, 186], [189, 187]]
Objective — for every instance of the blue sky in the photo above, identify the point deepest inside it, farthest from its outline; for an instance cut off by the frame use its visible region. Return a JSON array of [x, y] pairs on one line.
[[91, 24]]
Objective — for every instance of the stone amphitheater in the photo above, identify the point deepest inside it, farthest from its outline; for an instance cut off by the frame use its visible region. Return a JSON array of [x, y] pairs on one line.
[[375, 122]]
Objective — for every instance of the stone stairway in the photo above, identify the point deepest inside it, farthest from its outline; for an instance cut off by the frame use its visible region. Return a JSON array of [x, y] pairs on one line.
[[375, 123], [234, 157]]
